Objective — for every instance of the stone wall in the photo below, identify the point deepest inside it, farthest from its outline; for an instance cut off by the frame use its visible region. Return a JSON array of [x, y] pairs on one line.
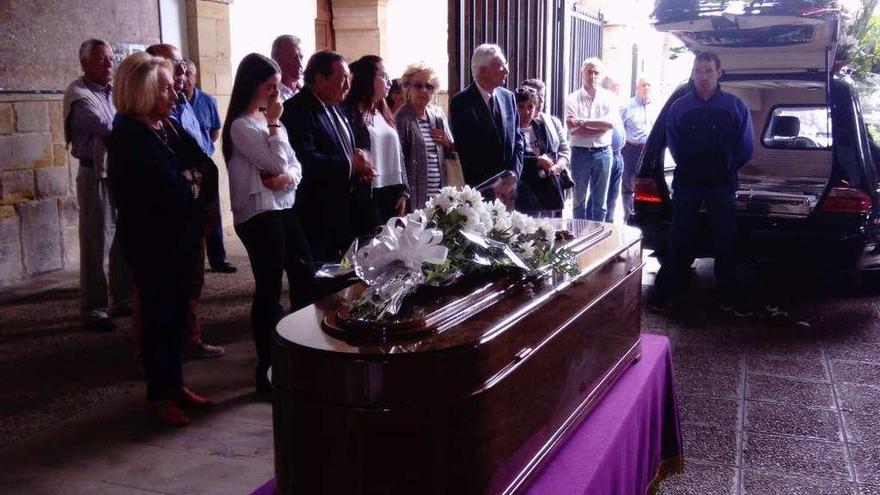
[[39, 215], [38, 210]]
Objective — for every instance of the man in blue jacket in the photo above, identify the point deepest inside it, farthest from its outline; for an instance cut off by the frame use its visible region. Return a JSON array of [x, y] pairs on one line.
[[709, 134]]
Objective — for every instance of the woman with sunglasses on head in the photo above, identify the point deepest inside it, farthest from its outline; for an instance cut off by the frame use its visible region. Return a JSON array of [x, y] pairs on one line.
[[263, 176], [424, 135], [374, 132]]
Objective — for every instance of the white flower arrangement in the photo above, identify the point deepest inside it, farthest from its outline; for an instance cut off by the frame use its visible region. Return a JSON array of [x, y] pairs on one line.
[[478, 235], [455, 210]]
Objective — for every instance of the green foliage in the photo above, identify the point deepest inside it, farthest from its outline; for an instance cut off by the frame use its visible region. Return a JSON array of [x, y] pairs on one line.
[[677, 51], [866, 53]]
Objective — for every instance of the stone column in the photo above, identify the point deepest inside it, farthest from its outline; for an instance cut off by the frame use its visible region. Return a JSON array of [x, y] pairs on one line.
[[359, 27], [207, 23]]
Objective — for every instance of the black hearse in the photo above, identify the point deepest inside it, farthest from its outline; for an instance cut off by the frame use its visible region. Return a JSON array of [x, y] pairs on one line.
[[811, 190]]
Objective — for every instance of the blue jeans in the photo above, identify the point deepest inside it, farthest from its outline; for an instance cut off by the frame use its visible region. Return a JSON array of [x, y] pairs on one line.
[[614, 185], [590, 170], [721, 210]]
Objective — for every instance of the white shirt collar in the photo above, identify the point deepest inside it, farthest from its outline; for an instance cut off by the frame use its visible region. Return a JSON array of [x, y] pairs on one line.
[[486, 95]]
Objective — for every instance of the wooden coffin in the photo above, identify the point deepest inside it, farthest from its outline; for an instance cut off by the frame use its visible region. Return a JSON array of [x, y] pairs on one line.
[[507, 368]]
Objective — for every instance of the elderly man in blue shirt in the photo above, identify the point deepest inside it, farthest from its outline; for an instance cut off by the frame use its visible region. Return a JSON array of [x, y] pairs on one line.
[[205, 108], [709, 134], [638, 119]]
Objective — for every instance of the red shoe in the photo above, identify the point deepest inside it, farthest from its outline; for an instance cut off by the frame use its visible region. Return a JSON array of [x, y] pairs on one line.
[[187, 397], [167, 413]]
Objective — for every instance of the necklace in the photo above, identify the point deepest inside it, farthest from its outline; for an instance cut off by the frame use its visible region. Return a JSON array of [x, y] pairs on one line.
[[162, 134]]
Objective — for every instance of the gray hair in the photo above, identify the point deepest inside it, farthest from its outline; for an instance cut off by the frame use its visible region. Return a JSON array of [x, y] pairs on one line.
[[483, 56], [190, 65], [85, 49], [282, 40], [537, 84], [595, 62]]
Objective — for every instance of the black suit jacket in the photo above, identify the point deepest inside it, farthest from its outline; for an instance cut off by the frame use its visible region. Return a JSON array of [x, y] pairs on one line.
[[323, 198], [160, 221], [485, 148]]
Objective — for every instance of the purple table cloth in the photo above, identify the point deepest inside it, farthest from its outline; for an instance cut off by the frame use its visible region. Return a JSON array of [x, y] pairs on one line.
[[624, 443], [619, 448]]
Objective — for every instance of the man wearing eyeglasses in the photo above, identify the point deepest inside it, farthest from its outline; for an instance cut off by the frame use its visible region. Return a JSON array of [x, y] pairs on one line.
[[183, 113], [88, 120]]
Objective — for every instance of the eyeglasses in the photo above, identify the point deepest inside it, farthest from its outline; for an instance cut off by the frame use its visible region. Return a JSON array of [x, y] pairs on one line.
[[420, 86]]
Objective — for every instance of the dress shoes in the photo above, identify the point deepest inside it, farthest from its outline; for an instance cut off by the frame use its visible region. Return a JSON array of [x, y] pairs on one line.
[[166, 413], [223, 266], [100, 323], [201, 350], [188, 398], [121, 309]]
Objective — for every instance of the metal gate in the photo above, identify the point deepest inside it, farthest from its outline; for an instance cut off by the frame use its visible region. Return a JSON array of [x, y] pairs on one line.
[[517, 26], [583, 33], [545, 39]]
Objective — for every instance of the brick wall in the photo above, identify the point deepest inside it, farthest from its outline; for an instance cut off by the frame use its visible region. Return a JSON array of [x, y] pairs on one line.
[[38, 210]]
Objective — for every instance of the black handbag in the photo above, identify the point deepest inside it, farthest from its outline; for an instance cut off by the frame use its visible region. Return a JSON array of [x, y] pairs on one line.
[[565, 180]]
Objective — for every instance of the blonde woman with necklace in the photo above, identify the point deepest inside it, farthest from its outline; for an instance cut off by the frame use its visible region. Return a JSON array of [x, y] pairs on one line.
[[160, 182]]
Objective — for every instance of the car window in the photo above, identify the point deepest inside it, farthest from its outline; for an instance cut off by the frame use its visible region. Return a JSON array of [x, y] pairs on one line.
[[867, 86], [798, 127]]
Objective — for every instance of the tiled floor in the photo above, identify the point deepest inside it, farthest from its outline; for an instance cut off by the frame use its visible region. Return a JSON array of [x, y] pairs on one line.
[[777, 406], [768, 406]]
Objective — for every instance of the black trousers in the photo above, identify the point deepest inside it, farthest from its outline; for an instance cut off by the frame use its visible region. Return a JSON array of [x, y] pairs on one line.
[[276, 244], [214, 244], [164, 284]]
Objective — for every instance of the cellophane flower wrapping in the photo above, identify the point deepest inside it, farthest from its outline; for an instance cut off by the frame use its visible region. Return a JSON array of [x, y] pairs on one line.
[[476, 234]]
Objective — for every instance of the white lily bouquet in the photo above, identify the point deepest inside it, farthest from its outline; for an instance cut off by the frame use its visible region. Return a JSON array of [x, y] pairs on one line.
[[455, 234]]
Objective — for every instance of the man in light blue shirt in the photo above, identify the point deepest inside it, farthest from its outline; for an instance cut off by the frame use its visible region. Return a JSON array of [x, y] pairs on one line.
[[638, 119], [204, 107]]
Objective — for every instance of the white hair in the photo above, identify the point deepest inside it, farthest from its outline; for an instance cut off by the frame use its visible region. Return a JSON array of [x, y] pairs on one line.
[[595, 62], [85, 49], [282, 40], [483, 56]]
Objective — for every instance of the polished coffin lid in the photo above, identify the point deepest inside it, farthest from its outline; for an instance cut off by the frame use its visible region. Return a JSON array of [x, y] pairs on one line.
[[480, 330]]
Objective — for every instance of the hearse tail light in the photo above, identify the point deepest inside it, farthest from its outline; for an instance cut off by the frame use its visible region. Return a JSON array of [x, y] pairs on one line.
[[646, 191], [846, 200]]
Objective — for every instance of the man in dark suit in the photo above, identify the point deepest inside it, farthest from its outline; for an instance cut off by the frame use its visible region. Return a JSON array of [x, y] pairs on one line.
[[324, 144], [484, 123]]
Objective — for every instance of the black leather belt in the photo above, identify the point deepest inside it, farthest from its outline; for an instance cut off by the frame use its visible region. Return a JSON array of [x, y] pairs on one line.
[[593, 150]]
